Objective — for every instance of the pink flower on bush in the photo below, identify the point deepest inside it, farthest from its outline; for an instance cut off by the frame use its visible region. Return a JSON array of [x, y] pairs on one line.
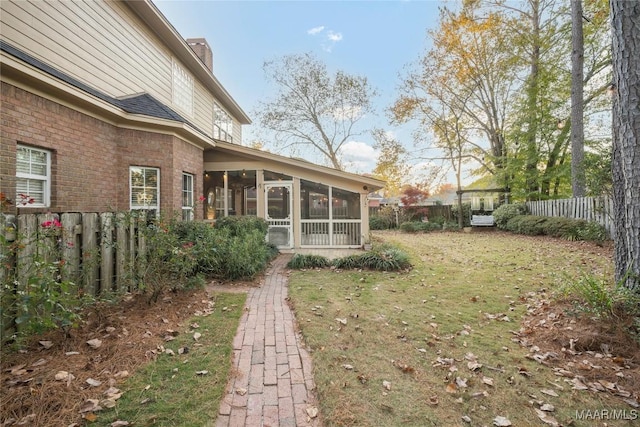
[[202, 199], [51, 224]]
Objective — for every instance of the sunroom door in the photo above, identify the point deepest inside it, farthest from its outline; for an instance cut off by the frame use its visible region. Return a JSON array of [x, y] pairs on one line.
[[279, 205]]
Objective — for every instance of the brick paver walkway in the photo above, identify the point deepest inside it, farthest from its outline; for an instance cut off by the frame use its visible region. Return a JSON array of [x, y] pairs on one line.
[[273, 383]]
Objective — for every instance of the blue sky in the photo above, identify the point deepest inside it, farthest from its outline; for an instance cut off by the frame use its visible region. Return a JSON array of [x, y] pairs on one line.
[[376, 39]]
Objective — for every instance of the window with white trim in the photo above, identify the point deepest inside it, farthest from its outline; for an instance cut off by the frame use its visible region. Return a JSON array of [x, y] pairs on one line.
[[144, 185], [222, 124], [33, 176], [182, 89], [187, 197]]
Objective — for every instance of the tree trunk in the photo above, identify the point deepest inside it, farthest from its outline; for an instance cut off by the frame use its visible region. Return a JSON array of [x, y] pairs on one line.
[[625, 21], [577, 101]]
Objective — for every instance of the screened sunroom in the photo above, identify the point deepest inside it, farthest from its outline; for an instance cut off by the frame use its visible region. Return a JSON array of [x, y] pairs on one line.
[[305, 205]]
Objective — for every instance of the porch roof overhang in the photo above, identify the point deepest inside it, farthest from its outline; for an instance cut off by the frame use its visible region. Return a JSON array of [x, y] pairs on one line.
[[251, 158]]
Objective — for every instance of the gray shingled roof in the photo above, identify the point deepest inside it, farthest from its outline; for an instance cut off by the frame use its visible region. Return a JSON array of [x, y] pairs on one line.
[[144, 104]]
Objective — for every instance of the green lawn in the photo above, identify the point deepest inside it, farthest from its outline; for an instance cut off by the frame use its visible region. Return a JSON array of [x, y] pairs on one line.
[[409, 352]]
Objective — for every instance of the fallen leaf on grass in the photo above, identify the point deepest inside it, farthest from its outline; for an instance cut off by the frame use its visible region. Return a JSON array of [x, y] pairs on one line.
[[202, 373], [93, 383], [119, 423], [46, 344], [108, 403], [451, 388], [433, 400], [501, 422], [549, 392], [341, 321], [90, 416], [488, 381], [474, 366], [348, 367], [547, 407], [386, 385], [90, 405], [196, 336], [546, 418]]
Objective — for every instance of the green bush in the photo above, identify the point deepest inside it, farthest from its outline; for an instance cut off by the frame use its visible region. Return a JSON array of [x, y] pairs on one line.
[[384, 219], [466, 214], [380, 222], [504, 213], [300, 261], [423, 227], [567, 228], [595, 295], [381, 258], [238, 225]]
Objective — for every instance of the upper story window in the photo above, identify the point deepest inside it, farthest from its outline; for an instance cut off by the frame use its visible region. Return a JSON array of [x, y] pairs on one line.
[[182, 89], [33, 176], [222, 124], [187, 197], [144, 185]]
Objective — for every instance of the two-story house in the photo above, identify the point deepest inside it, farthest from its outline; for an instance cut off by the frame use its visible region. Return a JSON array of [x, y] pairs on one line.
[[106, 107]]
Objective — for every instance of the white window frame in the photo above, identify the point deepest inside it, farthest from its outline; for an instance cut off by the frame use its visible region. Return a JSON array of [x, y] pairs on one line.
[[182, 89], [187, 209], [155, 207], [46, 179], [222, 124]]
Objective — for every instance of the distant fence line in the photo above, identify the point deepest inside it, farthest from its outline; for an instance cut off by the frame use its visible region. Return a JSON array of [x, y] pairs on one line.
[[434, 211], [593, 209]]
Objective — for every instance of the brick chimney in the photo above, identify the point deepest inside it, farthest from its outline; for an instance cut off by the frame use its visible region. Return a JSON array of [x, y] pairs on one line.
[[202, 49]]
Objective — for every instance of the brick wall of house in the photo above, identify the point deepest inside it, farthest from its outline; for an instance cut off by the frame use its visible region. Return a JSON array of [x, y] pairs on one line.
[[90, 158]]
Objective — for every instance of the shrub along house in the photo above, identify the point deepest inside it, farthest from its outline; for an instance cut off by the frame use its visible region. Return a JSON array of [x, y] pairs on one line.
[[105, 107]]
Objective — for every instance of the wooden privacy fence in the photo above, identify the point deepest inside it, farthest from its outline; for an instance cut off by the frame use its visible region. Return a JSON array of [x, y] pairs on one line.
[[593, 209], [98, 252]]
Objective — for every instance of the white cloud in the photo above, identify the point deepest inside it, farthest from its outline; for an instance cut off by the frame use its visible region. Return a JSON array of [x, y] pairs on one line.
[[358, 156], [334, 37], [315, 30]]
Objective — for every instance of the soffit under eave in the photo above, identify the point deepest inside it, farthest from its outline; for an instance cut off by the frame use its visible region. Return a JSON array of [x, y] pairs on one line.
[[265, 156], [232, 161], [32, 80]]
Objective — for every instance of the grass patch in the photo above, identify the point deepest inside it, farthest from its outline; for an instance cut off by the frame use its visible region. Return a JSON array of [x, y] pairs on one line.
[[168, 391], [462, 302]]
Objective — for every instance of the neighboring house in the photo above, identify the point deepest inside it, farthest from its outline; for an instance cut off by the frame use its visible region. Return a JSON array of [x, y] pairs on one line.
[[105, 107]]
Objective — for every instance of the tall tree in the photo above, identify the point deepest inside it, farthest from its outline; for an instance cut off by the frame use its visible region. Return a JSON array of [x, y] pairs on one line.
[[577, 99], [625, 22], [312, 108], [468, 73], [391, 166]]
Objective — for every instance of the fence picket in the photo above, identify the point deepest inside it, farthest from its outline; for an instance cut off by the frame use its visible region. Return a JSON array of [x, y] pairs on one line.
[[90, 255], [70, 246], [107, 283]]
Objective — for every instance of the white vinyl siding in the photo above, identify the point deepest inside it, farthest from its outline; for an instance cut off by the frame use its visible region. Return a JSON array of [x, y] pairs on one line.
[[95, 42], [33, 177], [144, 188], [106, 45], [187, 197]]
